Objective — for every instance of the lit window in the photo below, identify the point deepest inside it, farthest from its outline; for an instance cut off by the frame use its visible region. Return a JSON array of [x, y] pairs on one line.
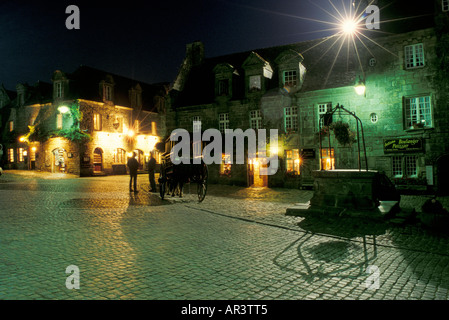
[[323, 120], [20, 154], [153, 128], [290, 78], [445, 5], [327, 159], [418, 112], [59, 121], [255, 119], [136, 126], [255, 83], [414, 56], [223, 122], [10, 155], [223, 87], [225, 166], [120, 156], [373, 117], [97, 121], [292, 161], [291, 118], [11, 126]]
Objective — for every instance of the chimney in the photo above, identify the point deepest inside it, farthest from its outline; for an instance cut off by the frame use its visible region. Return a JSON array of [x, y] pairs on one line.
[[195, 52]]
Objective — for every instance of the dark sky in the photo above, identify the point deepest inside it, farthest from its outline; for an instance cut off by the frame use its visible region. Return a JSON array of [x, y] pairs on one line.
[[146, 40]]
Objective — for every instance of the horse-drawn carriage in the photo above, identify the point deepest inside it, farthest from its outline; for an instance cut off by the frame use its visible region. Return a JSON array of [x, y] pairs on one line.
[[173, 176]]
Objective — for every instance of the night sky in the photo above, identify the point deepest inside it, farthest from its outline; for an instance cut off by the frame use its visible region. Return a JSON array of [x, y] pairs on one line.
[[145, 40]]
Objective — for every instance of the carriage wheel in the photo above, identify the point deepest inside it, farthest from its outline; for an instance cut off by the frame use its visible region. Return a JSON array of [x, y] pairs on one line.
[[202, 184], [202, 189]]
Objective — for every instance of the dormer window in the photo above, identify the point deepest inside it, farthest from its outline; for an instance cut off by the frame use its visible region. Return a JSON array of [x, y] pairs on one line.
[[290, 78], [107, 88], [60, 83], [107, 92], [224, 73], [58, 89], [255, 83], [291, 71], [257, 70], [223, 87]]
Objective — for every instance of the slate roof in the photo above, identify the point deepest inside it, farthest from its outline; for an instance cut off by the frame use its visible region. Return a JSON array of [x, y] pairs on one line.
[[84, 83], [319, 56]]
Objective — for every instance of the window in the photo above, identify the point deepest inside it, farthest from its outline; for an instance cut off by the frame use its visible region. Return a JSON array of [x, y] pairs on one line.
[[373, 117], [255, 119], [97, 121], [291, 118], [292, 161], [196, 120], [10, 155], [418, 112], [136, 126], [11, 126], [323, 108], [153, 128], [223, 122], [290, 78], [372, 62], [197, 145], [20, 155], [107, 92], [397, 166], [405, 166], [225, 166], [120, 156], [414, 56], [223, 87], [59, 121], [327, 159], [58, 89], [445, 5], [255, 83]]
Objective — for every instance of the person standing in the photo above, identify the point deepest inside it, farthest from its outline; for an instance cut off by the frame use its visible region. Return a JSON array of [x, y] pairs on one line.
[[133, 165], [151, 169]]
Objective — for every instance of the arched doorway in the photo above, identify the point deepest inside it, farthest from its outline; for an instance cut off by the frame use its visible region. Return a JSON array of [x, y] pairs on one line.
[[98, 160], [443, 174]]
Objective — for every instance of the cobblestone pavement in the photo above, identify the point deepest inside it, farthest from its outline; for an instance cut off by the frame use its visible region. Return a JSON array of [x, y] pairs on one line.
[[237, 244]]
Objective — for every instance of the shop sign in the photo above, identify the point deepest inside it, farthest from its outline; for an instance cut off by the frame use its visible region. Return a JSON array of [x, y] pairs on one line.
[[403, 145]]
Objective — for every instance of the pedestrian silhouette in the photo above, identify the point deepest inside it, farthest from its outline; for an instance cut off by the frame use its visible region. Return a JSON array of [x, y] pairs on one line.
[[133, 165], [151, 168]]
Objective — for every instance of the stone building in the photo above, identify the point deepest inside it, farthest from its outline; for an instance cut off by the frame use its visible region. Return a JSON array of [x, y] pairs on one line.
[[296, 89], [87, 123]]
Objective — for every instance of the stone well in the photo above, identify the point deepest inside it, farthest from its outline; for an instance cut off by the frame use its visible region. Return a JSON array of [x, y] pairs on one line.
[[345, 192]]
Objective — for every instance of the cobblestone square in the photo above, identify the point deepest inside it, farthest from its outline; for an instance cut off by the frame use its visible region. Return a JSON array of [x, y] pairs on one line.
[[237, 244]]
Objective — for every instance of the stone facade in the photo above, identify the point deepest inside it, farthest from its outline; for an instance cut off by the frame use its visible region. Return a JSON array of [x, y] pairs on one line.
[[85, 123], [400, 104]]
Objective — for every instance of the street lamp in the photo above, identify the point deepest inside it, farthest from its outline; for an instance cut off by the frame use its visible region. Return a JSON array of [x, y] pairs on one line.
[[360, 87], [63, 109]]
